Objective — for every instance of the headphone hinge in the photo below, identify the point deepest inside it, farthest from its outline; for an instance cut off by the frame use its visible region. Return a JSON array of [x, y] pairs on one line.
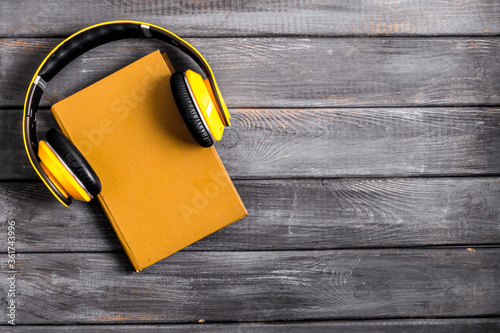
[[40, 82], [145, 30]]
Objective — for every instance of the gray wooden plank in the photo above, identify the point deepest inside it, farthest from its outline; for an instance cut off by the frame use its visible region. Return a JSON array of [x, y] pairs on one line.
[[256, 286], [278, 143], [287, 214], [263, 17], [292, 72], [468, 325]]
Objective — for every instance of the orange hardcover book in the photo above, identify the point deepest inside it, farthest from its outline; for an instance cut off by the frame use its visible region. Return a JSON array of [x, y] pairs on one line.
[[161, 191]]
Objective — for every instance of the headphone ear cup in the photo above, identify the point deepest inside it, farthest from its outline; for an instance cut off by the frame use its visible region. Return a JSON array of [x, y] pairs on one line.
[[189, 111], [74, 161]]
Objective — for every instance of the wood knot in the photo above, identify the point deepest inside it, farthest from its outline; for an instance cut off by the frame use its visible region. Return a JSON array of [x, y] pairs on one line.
[[362, 291], [230, 138]]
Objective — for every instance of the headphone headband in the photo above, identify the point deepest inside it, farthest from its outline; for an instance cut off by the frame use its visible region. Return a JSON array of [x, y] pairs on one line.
[[81, 42]]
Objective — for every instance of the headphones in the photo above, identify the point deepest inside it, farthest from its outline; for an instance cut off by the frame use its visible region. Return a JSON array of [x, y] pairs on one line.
[[57, 161]]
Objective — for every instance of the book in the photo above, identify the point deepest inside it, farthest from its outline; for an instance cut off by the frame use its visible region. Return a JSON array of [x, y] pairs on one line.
[[161, 191]]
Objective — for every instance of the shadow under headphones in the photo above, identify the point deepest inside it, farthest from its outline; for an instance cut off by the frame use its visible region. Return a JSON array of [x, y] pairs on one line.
[[58, 162]]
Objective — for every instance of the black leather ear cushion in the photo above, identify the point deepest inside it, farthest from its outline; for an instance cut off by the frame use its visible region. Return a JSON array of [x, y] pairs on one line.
[[74, 160], [188, 111]]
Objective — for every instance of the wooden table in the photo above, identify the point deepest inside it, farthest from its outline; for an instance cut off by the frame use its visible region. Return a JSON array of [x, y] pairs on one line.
[[365, 145]]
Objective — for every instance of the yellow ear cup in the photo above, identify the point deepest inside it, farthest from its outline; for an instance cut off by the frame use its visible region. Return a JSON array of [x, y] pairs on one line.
[[54, 180], [224, 107], [60, 174], [206, 103]]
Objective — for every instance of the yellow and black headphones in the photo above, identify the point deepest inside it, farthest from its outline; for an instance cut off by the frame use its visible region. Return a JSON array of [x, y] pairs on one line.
[[58, 162]]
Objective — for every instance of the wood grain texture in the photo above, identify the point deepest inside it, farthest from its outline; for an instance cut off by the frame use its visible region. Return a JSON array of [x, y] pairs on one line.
[[257, 286], [291, 72], [470, 325], [257, 18], [287, 143], [322, 253], [287, 214]]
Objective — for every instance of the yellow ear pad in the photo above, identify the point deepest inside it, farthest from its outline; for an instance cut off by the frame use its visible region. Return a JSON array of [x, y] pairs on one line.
[[61, 174], [206, 103]]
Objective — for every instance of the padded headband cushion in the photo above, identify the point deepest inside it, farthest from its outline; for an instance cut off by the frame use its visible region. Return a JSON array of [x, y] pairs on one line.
[[188, 110], [85, 41], [74, 160]]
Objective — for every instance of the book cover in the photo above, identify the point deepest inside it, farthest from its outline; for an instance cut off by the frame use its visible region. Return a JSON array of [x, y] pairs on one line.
[[161, 191]]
